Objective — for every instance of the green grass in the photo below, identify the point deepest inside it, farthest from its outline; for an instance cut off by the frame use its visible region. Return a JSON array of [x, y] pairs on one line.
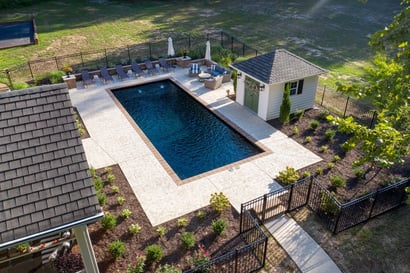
[[333, 36]]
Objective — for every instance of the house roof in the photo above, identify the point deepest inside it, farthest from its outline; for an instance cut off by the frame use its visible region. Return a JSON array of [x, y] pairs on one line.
[[278, 66], [45, 181]]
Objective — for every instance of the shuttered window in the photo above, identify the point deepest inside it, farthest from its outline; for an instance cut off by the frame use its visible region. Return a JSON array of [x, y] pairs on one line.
[[296, 87]]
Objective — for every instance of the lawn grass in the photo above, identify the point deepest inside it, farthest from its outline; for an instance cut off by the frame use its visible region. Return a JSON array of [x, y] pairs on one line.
[[332, 35]]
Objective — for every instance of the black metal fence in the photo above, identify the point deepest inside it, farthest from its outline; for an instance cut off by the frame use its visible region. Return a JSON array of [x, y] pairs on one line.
[[345, 106], [248, 258], [336, 216], [193, 44]]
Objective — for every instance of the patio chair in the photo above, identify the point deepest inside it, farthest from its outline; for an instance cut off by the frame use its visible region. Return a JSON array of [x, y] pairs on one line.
[[194, 70], [86, 78], [213, 83], [120, 71], [106, 76], [136, 69], [150, 68], [165, 66]]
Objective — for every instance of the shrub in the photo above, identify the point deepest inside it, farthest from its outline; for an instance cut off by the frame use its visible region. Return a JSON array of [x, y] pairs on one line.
[[359, 173], [188, 240], [284, 111], [330, 165], [336, 158], [324, 148], [98, 183], [134, 229], [219, 226], [330, 134], [167, 268], [314, 124], [108, 170], [219, 202], [93, 172], [328, 205], [182, 222], [288, 176], [120, 200], [102, 198], [115, 189], [306, 174], [116, 248], [125, 213], [200, 257], [295, 130], [337, 181], [22, 248], [391, 179], [68, 263], [347, 146], [136, 266], [323, 114], [161, 230], [110, 178], [153, 253], [308, 139], [319, 170], [298, 114], [109, 221], [51, 77], [201, 214], [20, 85]]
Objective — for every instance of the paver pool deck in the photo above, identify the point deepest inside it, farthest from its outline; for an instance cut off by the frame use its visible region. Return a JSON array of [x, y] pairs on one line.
[[114, 140]]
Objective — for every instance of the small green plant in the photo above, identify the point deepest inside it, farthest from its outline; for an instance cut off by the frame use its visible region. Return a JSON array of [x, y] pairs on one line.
[[328, 205], [288, 176], [98, 183], [337, 181], [167, 268], [319, 170], [102, 198], [115, 189], [200, 257], [109, 221], [218, 226], [23, 248], [347, 146], [330, 134], [136, 266], [324, 148], [323, 114], [108, 170], [359, 173], [295, 130], [308, 139], [93, 172], [219, 202], [314, 124], [306, 174], [116, 249], [120, 200], [110, 178], [298, 114], [125, 213], [153, 253], [182, 222], [201, 214], [134, 229], [161, 230], [330, 165], [336, 158], [188, 240]]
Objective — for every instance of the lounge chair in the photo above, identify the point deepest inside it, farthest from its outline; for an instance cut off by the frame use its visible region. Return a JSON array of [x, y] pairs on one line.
[[151, 69], [120, 71], [86, 78], [165, 66], [106, 76], [136, 69], [213, 83], [194, 70]]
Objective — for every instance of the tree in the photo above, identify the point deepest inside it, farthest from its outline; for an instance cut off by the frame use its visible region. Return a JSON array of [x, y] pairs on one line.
[[388, 88], [284, 114]]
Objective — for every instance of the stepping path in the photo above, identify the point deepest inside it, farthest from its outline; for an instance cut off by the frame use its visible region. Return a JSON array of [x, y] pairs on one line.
[[304, 251]]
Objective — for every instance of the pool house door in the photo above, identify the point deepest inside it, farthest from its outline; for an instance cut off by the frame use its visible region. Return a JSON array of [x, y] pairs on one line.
[[251, 94]]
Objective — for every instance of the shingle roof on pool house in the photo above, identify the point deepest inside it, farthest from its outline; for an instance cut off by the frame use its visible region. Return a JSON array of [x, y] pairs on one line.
[[45, 185]]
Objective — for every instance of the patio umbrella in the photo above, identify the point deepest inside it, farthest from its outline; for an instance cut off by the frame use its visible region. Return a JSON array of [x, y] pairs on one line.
[[208, 51], [171, 51]]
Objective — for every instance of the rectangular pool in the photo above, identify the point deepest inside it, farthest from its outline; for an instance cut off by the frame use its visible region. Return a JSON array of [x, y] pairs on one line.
[[188, 136]]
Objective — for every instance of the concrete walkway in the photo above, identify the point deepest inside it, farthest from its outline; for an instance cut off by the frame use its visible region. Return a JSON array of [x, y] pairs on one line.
[[304, 251], [114, 140]]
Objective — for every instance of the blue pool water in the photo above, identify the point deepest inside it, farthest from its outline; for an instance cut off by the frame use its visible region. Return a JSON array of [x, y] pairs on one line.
[[188, 136]]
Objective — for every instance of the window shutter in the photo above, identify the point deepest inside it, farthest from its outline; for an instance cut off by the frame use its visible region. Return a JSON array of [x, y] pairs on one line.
[[300, 87]]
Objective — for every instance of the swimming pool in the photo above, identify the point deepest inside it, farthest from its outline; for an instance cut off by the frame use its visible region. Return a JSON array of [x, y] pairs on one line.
[[188, 136]]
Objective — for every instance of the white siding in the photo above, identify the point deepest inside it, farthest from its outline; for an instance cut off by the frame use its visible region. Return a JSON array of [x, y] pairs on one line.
[[298, 102], [240, 90]]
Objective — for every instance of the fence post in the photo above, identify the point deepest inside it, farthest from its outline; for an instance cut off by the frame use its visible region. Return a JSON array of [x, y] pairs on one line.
[[55, 59], [265, 197], [9, 79], [189, 41], [106, 57], [309, 190], [241, 221], [150, 50], [31, 70], [323, 95], [243, 49], [347, 102], [374, 202], [222, 39], [82, 60], [373, 119], [337, 219], [232, 43], [129, 55], [265, 250], [290, 196], [236, 260]]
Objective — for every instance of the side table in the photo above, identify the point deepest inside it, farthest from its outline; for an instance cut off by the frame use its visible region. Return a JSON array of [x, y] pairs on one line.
[[183, 61]]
